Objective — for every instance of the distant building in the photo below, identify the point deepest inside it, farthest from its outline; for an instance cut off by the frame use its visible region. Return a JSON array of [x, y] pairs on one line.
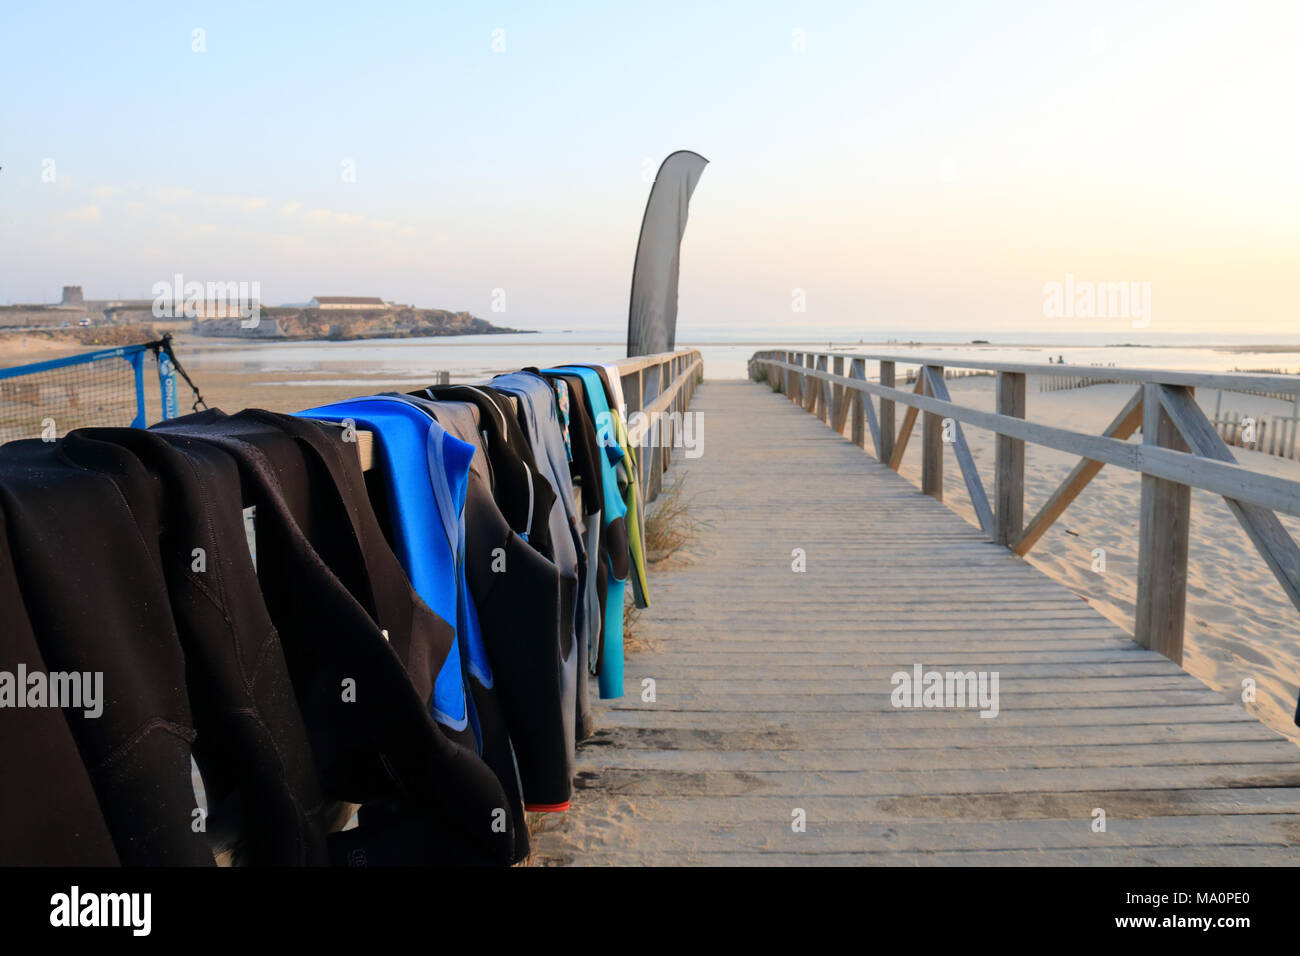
[[72, 296], [347, 302], [223, 309]]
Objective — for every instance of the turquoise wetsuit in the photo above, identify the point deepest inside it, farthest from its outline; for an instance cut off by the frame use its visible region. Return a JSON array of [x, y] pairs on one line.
[[614, 512]]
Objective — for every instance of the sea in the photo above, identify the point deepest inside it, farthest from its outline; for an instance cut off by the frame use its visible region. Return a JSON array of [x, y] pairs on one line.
[[725, 351]]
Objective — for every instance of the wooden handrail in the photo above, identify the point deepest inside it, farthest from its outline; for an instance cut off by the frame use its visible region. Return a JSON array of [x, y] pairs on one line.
[[1221, 477], [681, 369], [1238, 381], [654, 386], [1180, 450]]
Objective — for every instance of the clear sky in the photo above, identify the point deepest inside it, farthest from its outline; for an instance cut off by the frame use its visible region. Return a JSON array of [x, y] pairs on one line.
[[915, 165]]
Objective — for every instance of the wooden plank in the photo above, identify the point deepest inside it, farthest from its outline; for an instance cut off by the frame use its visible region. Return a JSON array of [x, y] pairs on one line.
[[910, 739], [1086, 856], [366, 449], [884, 447], [1163, 535], [881, 841], [970, 474], [1129, 804], [1121, 427], [1060, 722], [858, 406], [824, 397], [1265, 531], [905, 432], [926, 760], [931, 439], [839, 404], [866, 409], [1009, 462], [858, 703], [1231, 381], [871, 783]]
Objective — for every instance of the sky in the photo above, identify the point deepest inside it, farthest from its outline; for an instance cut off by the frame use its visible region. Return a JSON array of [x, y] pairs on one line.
[[927, 166]]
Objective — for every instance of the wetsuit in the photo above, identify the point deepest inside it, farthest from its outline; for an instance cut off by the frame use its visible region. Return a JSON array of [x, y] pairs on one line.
[[259, 777], [363, 649], [93, 589], [614, 515], [517, 592], [524, 496], [540, 420], [629, 472], [507, 450], [584, 468], [49, 815]]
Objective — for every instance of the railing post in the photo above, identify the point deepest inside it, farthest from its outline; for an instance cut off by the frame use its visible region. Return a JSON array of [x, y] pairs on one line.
[[1163, 540], [665, 383], [932, 446], [837, 403], [857, 413], [666, 434], [886, 449], [823, 412], [1009, 463], [655, 469], [810, 397]]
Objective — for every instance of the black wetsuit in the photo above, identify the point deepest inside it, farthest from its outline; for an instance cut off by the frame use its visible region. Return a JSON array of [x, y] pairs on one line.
[[538, 418], [362, 649], [93, 589], [49, 815], [523, 494], [259, 776]]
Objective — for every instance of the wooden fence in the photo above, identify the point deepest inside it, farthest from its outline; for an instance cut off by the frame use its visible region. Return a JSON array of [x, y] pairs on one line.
[[1275, 435], [660, 387], [1055, 383], [1180, 450]]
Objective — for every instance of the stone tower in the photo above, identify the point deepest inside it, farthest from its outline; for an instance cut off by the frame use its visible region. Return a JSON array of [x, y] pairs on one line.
[[72, 295]]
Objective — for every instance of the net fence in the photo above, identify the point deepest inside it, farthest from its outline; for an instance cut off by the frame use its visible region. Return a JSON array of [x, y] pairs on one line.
[[103, 389]]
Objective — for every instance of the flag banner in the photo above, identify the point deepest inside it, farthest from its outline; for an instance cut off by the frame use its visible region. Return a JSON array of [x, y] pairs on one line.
[[652, 315]]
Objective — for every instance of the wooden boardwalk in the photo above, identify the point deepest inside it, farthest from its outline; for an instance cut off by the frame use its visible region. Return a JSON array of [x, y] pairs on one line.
[[773, 692]]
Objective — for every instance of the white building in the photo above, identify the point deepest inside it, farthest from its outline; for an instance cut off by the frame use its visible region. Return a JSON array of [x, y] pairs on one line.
[[347, 302]]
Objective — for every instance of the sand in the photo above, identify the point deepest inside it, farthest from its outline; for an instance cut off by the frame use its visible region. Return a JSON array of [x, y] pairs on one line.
[[1240, 624]]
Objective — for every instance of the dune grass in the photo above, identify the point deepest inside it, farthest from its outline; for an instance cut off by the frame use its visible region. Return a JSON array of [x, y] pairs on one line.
[[669, 523]]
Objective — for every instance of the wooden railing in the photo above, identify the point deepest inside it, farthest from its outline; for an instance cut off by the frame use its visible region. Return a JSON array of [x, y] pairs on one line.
[[660, 387], [1180, 450]]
